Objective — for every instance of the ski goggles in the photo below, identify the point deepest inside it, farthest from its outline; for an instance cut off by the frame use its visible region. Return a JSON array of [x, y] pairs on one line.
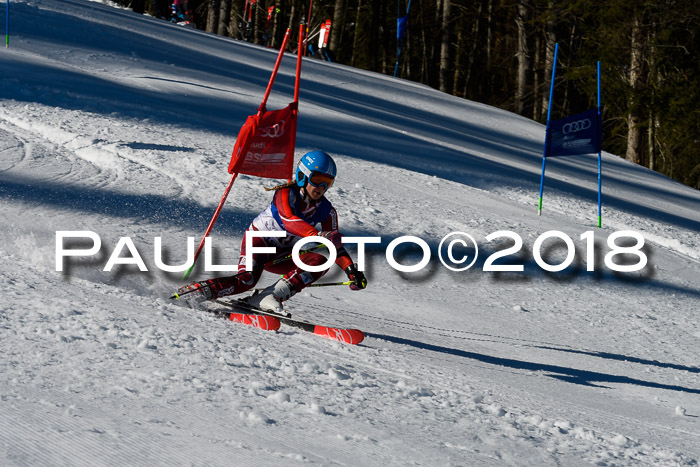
[[321, 179]]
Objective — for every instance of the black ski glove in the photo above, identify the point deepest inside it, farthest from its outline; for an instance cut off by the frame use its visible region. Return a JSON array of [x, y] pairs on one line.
[[359, 281]]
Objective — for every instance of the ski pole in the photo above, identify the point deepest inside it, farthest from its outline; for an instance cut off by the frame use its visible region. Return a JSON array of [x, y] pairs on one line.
[[327, 284]]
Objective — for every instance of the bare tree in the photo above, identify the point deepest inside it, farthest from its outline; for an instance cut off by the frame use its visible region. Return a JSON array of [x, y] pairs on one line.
[[359, 31], [523, 55], [212, 15], [224, 18], [260, 16], [472, 53], [550, 42], [634, 118], [445, 45], [489, 45], [373, 44], [338, 24]]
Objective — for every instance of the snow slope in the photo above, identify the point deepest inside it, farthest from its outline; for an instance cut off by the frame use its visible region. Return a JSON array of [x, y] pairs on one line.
[[123, 125]]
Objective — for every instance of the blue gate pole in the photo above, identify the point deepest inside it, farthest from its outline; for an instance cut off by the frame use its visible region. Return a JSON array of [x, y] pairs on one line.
[[600, 122], [7, 23], [398, 37], [546, 133], [396, 67]]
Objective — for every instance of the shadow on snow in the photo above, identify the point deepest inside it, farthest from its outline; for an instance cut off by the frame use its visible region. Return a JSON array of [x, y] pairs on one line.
[[571, 375]]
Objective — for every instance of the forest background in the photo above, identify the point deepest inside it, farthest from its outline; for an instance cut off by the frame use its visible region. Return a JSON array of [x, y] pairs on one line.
[[501, 52]]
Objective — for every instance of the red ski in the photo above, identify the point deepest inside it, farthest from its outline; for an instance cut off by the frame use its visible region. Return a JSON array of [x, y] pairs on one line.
[[267, 323], [348, 336], [266, 320]]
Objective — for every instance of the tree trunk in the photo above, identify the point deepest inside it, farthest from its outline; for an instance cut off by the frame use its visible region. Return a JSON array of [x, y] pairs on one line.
[[522, 55], [655, 84], [424, 75], [212, 15], [224, 18], [279, 29], [359, 31], [260, 16], [291, 19], [388, 42], [236, 25], [489, 52], [472, 54], [536, 109], [457, 72], [373, 45], [433, 71], [634, 118], [293, 31], [445, 45], [277, 15], [550, 43], [337, 28]]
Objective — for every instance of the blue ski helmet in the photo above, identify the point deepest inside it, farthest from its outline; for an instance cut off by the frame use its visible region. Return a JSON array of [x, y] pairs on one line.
[[317, 168]]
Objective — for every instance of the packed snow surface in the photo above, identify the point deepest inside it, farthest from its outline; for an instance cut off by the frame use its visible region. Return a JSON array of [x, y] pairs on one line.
[[122, 125]]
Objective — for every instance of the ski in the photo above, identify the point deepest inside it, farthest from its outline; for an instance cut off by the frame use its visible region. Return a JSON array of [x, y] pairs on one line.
[[250, 315], [267, 323]]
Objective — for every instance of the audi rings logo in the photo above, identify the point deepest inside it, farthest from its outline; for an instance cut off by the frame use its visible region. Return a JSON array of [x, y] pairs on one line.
[[274, 131], [579, 125]]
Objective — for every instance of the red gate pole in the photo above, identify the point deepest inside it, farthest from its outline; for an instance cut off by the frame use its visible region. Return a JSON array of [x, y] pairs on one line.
[[261, 110]]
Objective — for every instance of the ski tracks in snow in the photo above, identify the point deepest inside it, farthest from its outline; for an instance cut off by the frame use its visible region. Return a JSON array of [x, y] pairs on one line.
[[110, 161]]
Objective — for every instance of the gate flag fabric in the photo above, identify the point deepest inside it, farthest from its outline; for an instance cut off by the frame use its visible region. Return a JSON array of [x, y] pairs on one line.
[[401, 25], [265, 145], [577, 134]]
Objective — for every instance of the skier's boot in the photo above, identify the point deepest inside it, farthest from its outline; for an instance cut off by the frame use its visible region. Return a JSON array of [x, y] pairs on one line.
[[271, 298], [196, 291]]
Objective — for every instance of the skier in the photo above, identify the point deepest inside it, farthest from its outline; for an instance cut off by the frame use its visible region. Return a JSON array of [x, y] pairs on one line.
[[296, 209], [179, 13]]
